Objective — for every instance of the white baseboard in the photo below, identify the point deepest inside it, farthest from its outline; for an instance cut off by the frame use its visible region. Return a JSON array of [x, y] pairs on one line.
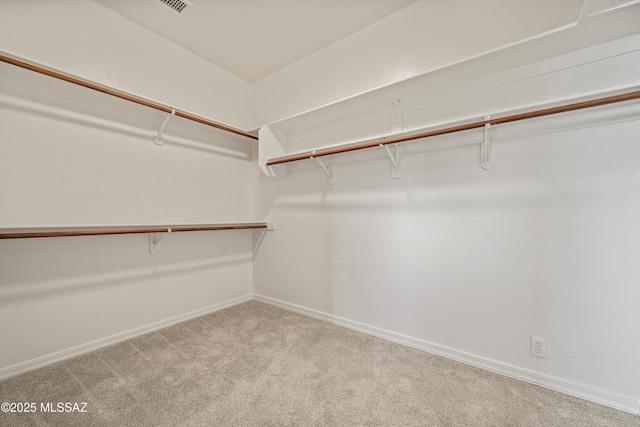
[[58, 356], [558, 384]]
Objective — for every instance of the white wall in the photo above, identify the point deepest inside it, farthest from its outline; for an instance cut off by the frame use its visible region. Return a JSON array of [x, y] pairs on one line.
[[471, 263], [61, 296], [450, 258], [91, 41], [419, 39], [72, 156]]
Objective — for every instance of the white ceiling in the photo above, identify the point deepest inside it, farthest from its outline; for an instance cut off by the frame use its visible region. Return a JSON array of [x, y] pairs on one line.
[[255, 38]]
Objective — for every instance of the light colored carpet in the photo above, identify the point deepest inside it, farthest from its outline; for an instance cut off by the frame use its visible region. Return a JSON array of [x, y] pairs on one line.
[[257, 365]]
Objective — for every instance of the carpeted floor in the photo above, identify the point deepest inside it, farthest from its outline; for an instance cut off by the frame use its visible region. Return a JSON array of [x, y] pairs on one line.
[[257, 365]]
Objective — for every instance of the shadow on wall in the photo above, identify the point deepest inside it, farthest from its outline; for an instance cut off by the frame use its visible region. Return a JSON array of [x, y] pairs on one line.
[[531, 171], [63, 102], [41, 267], [207, 140]]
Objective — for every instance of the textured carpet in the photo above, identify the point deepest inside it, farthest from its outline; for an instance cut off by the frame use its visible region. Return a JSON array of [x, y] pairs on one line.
[[257, 365]]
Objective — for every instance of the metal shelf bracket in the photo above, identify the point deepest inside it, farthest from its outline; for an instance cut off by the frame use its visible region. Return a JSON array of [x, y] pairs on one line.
[[486, 147], [330, 169], [154, 241], [396, 169], [158, 131]]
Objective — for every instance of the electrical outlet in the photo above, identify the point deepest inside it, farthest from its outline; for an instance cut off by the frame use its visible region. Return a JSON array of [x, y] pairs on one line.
[[539, 347]]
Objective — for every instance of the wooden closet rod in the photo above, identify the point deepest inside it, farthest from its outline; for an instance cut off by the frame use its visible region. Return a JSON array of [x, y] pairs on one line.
[[496, 121], [121, 95], [98, 231]]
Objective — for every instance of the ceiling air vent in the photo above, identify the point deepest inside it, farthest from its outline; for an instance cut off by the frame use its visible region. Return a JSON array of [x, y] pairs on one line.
[[177, 5]]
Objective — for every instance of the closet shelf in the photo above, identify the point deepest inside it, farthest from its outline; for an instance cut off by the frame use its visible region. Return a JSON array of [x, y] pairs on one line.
[[120, 94], [30, 232], [328, 151]]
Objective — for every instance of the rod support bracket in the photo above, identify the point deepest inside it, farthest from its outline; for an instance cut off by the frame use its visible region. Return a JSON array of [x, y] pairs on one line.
[[485, 161], [330, 169], [158, 131], [394, 155], [154, 241]]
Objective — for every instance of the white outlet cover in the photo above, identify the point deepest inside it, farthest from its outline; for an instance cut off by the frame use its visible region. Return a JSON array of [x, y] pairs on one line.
[[539, 347]]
